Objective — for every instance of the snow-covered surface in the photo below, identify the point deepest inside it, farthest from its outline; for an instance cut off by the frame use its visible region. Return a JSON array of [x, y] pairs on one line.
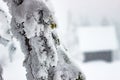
[[97, 38], [100, 70]]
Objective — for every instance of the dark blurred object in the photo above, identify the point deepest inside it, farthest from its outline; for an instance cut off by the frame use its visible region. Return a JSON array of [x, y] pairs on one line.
[[99, 55]]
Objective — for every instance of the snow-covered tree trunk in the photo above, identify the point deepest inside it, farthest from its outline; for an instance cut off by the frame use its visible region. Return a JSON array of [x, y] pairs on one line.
[[32, 24], [1, 70]]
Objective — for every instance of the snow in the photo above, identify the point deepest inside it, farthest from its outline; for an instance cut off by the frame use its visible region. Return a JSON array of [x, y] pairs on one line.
[[100, 70], [12, 70], [15, 70], [41, 51], [3, 55]]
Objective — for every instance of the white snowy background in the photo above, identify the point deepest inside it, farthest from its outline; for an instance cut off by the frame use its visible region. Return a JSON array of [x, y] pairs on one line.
[[72, 16]]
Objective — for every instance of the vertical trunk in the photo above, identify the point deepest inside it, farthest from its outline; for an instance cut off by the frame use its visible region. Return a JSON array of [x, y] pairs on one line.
[[1, 73], [32, 24]]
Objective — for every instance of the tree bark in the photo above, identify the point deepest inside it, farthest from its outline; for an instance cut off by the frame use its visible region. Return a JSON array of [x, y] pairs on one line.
[[32, 24], [1, 70]]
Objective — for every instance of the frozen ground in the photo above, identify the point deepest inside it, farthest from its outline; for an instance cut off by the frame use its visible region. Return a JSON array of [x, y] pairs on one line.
[[100, 70]]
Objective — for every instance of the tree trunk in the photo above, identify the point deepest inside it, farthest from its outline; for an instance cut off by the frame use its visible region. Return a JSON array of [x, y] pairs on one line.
[[32, 24], [1, 73]]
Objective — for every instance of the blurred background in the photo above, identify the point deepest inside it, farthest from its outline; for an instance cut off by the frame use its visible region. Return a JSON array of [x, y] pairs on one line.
[[88, 29]]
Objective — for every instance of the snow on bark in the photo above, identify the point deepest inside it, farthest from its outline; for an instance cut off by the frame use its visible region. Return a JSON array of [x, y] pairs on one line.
[[32, 24]]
